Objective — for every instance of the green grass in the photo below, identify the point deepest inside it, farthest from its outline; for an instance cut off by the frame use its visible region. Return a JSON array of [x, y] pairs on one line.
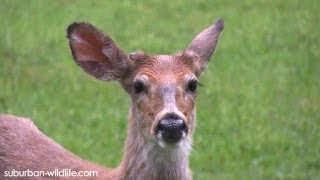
[[259, 109]]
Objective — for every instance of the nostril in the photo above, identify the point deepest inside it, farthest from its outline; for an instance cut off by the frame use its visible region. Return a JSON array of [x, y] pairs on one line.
[[184, 128], [161, 127], [178, 124]]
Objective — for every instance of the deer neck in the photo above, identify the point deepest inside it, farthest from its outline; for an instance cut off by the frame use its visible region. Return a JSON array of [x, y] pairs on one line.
[[144, 158]]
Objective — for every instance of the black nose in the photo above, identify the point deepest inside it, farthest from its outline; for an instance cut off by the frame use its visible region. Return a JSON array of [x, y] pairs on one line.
[[171, 128]]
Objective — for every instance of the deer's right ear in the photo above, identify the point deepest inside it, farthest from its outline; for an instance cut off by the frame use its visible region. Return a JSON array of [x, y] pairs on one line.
[[96, 52]]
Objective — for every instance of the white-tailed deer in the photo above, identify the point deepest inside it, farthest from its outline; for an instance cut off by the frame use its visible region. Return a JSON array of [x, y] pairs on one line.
[[162, 114]]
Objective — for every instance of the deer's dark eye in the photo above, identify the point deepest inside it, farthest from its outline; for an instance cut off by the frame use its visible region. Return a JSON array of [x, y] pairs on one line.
[[192, 85], [138, 87]]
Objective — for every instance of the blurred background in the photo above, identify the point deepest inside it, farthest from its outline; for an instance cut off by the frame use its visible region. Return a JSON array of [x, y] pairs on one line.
[[259, 108]]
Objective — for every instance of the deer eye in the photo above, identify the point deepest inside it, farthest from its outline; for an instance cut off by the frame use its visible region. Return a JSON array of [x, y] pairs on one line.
[[138, 87], [192, 85]]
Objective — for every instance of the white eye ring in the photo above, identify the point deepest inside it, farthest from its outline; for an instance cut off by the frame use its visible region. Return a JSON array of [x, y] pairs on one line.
[[140, 83]]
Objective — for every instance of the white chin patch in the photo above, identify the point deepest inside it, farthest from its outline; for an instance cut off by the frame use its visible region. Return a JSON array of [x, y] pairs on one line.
[[165, 145]]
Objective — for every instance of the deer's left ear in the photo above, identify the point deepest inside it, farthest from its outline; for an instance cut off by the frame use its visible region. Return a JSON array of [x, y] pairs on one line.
[[203, 45], [96, 53]]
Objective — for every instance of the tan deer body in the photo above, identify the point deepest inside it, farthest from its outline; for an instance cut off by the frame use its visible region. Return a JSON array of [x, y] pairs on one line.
[[162, 113]]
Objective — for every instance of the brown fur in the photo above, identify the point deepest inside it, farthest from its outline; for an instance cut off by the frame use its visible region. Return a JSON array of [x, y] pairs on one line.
[[23, 146], [165, 83]]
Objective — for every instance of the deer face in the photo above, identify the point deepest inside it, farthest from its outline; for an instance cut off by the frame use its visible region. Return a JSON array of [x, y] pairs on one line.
[[162, 87]]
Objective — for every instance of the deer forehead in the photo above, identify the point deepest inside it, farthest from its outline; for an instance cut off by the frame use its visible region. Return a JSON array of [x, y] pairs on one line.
[[164, 69]]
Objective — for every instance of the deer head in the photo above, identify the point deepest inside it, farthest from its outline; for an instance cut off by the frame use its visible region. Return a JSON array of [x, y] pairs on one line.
[[162, 87]]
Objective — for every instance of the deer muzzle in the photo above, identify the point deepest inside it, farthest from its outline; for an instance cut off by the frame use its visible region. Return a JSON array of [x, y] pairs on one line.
[[171, 129]]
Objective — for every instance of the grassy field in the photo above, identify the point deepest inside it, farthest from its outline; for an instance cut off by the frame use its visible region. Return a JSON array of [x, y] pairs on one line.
[[259, 108]]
